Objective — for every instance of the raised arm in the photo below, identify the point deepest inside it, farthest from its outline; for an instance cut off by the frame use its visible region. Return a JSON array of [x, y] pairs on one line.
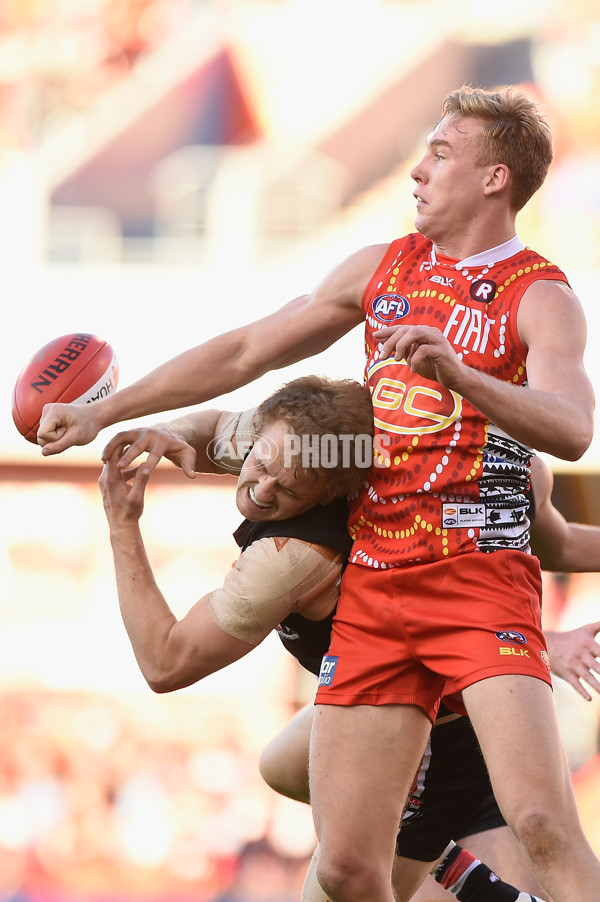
[[204, 441], [269, 580], [303, 327], [554, 413]]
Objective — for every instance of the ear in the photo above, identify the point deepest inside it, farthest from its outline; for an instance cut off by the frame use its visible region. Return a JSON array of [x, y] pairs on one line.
[[498, 178]]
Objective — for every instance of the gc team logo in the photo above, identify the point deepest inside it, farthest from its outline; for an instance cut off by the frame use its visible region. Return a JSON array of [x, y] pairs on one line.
[[511, 636], [389, 307]]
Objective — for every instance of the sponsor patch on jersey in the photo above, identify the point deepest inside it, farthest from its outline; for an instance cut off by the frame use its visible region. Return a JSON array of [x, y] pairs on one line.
[[482, 516], [389, 307], [511, 636], [327, 673], [483, 290], [463, 515]]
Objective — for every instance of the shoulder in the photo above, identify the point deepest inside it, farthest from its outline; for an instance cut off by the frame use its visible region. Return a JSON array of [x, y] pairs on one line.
[[550, 304], [274, 568], [232, 440]]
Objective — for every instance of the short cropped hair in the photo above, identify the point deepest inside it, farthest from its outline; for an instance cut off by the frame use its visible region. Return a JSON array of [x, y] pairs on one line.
[[514, 133], [315, 406]]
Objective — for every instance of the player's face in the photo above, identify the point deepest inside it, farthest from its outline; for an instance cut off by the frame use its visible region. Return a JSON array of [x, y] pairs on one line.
[[449, 181], [266, 489]]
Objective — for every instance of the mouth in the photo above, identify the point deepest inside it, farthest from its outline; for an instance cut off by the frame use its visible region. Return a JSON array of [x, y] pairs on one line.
[[255, 500]]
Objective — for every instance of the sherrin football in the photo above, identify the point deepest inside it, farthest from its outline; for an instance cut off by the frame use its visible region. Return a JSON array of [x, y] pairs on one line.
[[80, 367]]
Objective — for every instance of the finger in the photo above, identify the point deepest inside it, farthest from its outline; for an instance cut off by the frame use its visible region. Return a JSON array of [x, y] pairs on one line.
[[121, 440], [188, 462], [57, 447], [592, 680]]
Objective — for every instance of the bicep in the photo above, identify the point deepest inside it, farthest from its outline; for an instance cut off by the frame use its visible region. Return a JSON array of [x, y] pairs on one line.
[[312, 322], [197, 646], [552, 326]]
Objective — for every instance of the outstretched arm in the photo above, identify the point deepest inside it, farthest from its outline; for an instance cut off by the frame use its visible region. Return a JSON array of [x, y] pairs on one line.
[[170, 653], [269, 580], [204, 441], [305, 326]]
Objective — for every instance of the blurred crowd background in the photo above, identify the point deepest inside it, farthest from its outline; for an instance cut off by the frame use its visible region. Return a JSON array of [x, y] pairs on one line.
[[169, 169]]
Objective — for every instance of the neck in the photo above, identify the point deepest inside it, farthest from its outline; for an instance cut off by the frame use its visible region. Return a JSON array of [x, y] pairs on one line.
[[477, 237], [487, 258]]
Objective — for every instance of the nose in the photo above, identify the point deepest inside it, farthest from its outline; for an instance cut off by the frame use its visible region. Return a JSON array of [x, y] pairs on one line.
[[417, 173], [264, 490]]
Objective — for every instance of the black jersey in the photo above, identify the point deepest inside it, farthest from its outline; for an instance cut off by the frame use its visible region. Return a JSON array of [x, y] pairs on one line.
[[307, 640]]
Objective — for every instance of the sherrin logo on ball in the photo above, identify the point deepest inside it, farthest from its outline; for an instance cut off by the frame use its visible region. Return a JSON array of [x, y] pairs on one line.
[[80, 367]]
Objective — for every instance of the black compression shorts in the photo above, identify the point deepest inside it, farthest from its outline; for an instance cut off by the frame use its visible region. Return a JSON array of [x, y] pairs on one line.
[[451, 797]]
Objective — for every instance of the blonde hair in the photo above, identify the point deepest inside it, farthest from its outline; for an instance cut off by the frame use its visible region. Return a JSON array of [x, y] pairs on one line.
[[514, 133]]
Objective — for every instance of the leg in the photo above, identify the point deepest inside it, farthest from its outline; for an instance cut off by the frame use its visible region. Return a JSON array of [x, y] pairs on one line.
[[284, 761], [515, 721], [411, 879], [311, 889], [502, 853], [362, 763]]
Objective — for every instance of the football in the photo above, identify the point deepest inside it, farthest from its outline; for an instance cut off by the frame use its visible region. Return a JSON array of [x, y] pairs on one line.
[[79, 367]]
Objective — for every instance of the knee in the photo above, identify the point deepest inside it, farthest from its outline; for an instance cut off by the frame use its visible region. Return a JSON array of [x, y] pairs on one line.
[[542, 836], [345, 876], [283, 775]]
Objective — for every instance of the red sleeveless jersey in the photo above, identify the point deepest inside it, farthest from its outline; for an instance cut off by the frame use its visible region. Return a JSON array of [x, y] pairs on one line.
[[445, 480]]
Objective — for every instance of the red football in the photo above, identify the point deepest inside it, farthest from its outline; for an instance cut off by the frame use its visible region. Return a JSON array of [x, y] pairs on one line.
[[78, 367]]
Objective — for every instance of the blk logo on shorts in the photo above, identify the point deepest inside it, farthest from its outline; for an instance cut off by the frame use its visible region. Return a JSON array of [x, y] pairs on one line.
[[327, 673]]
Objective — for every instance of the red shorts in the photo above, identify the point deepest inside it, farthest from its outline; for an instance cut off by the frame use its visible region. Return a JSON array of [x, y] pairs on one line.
[[409, 635]]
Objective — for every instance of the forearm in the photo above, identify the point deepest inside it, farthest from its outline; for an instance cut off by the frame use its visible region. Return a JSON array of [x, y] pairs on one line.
[[544, 421], [579, 552], [146, 615], [195, 376]]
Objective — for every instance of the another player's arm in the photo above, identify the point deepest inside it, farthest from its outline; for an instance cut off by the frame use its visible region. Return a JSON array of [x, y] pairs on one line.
[[304, 327], [224, 625], [575, 657], [561, 545], [555, 412], [185, 441]]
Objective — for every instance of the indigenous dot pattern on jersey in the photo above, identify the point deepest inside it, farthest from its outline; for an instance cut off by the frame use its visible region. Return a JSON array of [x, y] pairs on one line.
[[465, 489]]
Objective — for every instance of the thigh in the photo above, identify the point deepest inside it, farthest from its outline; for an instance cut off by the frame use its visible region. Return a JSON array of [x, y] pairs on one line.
[[515, 721], [451, 795], [284, 761], [362, 762]]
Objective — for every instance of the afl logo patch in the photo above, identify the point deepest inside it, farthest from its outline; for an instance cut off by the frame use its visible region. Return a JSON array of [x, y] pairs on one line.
[[483, 290], [511, 636], [390, 307]]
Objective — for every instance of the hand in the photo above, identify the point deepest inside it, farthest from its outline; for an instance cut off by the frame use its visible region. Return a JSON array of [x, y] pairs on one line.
[[64, 425], [123, 502], [574, 656], [157, 442], [426, 351]]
